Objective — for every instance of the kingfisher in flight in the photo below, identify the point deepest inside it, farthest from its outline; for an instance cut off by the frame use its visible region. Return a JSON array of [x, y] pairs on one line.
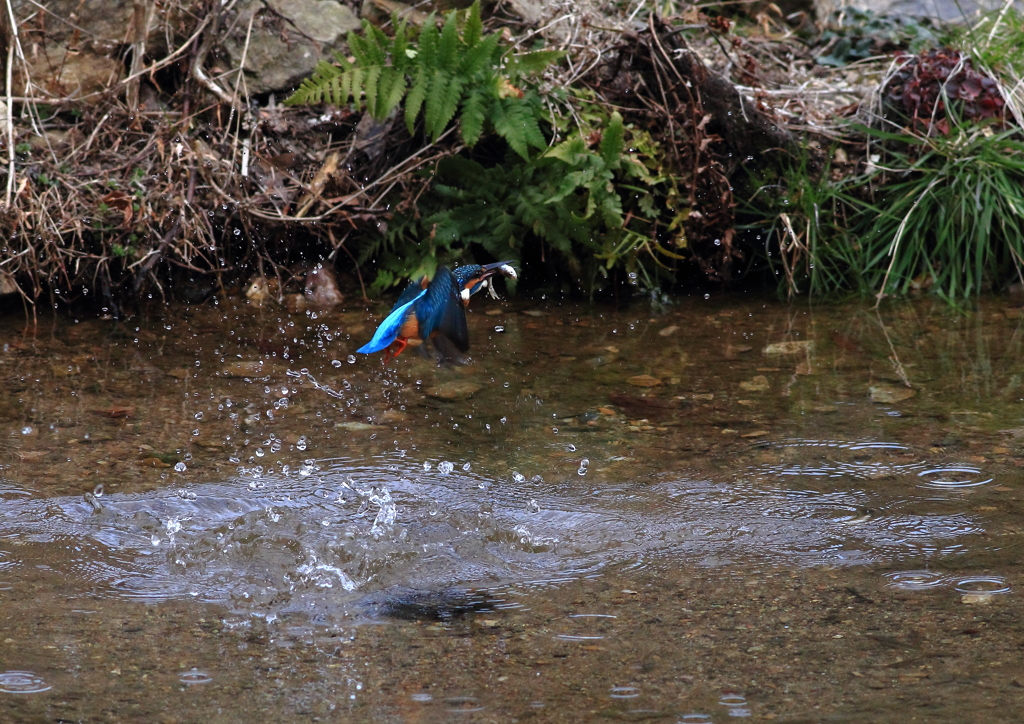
[[434, 310]]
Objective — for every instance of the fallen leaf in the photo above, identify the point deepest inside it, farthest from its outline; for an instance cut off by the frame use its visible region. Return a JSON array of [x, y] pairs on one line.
[[792, 347], [643, 381], [756, 384], [454, 390], [357, 426]]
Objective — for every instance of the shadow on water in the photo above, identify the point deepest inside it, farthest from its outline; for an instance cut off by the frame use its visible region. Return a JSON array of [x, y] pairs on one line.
[[708, 513]]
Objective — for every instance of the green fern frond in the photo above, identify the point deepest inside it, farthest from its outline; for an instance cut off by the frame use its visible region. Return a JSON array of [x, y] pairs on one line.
[[613, 141], [474, 113], [378, 45], [473, 30], [391, 92], [514, 121], [448, 43], [370, 89], [481, 56], [400, 56], [443, 98], [414, 101], [535, 62], [312, 89], [426, 50], [446, 69]]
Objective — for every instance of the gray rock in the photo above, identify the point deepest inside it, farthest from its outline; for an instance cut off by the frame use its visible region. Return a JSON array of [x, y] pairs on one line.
[[288, 39]]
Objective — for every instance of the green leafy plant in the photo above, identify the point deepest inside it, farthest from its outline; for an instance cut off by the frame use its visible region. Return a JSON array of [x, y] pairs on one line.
[[597, 205], [797, 219], [952, 218], [437, 75], [855, 34], [945, 214]]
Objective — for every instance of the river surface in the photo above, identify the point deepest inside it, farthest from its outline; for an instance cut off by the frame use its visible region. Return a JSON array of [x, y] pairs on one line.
[[697, 511]]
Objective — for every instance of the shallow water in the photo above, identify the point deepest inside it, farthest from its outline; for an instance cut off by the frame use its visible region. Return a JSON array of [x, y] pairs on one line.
[[698, 512]]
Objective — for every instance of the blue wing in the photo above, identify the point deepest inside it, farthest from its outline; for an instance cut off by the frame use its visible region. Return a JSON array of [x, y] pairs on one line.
[[388, 330]]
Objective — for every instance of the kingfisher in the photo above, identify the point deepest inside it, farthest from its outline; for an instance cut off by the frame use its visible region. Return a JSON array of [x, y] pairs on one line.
[[435, 310]]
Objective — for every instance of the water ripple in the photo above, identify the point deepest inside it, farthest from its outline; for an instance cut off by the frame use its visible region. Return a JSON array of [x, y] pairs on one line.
[[22, 682], [916, 580], [960, 476], [267, 543]]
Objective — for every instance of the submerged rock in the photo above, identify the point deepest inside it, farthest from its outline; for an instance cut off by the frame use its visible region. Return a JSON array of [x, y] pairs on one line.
[[885, 393]]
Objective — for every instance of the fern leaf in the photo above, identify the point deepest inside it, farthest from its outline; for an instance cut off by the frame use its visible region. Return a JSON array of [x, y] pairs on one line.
[[370, 89], [426, 52], [378, 45], [357, 76], [343, 90], [481, 56], [391, 96], [506, 127], [448, 44], [538, 60], [359, 46], [569, 151], [414, 101], [442, 101], [474, 28], [514, 121], [474, 112], [613, 142], [334, 91], [399, 56], [531, 127], [312, 89]]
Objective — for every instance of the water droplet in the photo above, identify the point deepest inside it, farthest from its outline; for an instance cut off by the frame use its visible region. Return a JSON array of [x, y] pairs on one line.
[[180, 467], [336, 362], [199, 416], [98, 491], [499, 328], [532, 506], [351, 359], [467, 467], [426, 466], [445, 467], [27, 430], [518, 477], [259, 452], [583, 467]]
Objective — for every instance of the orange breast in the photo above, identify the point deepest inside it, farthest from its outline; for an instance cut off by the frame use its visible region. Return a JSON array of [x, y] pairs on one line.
[[410, 328]]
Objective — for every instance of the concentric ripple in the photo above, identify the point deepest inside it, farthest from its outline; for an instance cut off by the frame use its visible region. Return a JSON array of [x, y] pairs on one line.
[[22, 682], [917, 580], [194, 676], [959, 476], [983, 585]]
